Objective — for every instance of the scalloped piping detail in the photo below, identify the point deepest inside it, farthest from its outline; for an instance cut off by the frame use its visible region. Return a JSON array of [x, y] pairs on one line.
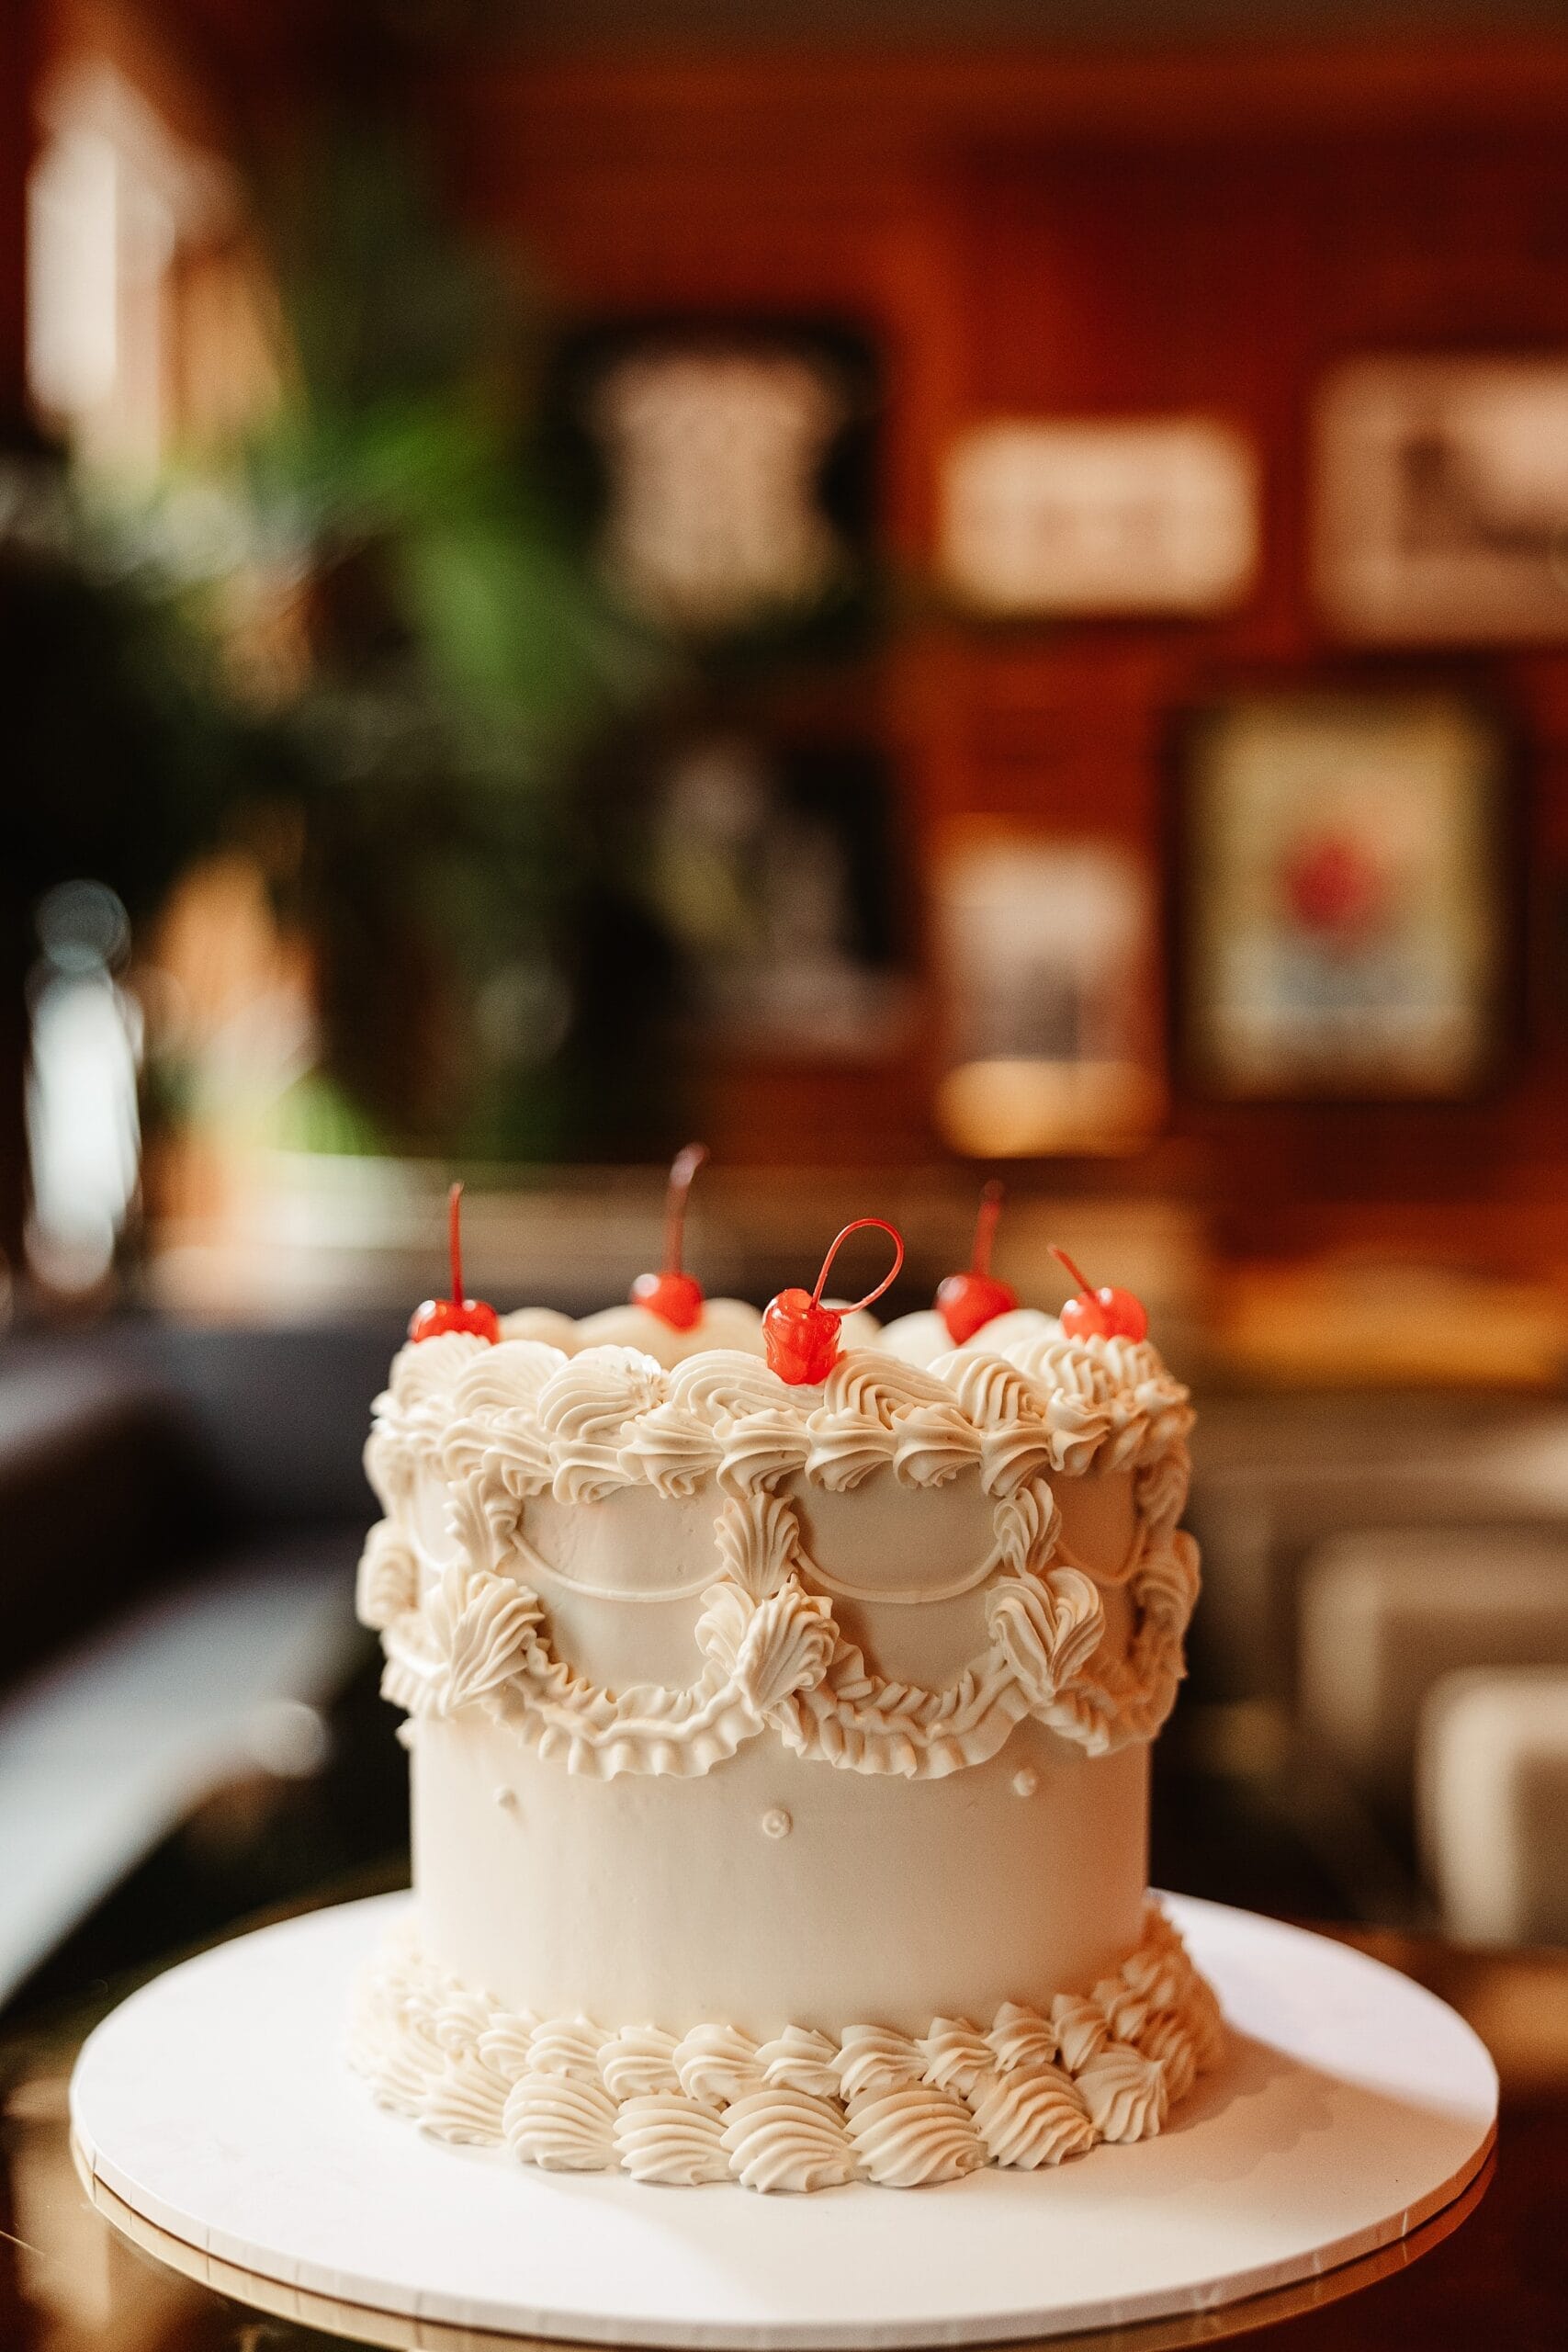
[[769, 1656], [806, 2110]]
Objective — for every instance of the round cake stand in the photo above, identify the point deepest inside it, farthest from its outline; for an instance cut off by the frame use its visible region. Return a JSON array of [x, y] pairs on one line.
[[213, 2112]]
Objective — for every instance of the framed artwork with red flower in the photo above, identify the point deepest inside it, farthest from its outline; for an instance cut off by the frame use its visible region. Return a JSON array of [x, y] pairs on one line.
[[1343, 877]]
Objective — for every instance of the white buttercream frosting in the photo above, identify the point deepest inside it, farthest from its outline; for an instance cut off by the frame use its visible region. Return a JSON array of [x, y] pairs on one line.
[[664, 2136], [1124, 2092], [769, 1652], [1033, 2119], [802, 2111], [914, 2136], [611, 1554], [595, 1401], [778, 2139], [717, 2063], [583, 1416], [640, 2062], [561, 2123], [957, 2055]]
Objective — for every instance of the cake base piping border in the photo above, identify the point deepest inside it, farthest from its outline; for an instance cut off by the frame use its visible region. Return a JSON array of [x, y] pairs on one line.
[[804, 2111]]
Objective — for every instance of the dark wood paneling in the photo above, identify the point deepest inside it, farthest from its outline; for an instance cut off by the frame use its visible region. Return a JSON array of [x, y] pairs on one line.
[[1107, 234]]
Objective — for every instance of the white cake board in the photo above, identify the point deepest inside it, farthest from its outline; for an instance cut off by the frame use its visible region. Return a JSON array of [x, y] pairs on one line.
[[215, 2104]]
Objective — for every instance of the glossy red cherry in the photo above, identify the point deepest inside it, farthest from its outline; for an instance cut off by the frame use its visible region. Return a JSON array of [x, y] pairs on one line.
[[800, 1334], [801, 1338], [967, 1302], [676, 1297], [1103, 1314], [456, 1313]]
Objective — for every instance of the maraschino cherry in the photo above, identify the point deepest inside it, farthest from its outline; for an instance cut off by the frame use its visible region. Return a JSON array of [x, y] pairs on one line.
[[967, 1302], [1103, 1314], [676, 1297], [456, 1313], [800, 1334]]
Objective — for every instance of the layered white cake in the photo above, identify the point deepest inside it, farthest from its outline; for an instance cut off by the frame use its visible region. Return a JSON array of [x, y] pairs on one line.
[[780, 1753]]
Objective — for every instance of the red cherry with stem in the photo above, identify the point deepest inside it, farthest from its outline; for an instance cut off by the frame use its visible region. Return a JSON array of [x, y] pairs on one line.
[[676, 1297], [967, 1302], [800, 1334], [1103, 1314], [456, 1313]]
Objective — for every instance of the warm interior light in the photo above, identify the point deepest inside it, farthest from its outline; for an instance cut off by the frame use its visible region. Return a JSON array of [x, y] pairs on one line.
[[1019, 1109]]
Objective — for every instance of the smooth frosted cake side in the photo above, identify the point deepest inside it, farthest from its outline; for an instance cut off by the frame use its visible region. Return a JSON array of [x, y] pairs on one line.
[[780, 1754]]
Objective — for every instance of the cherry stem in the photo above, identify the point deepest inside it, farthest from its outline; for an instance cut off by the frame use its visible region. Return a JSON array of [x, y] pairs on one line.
[[684, 1166], [1062, 1259], [859, 1224], [455, 1241], [991, 1198]]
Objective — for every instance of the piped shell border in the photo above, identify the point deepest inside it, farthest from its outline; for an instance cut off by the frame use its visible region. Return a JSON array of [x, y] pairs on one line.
[[804, 2111]]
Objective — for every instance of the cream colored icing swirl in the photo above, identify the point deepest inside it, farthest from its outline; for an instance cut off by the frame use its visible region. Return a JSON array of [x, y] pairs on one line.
[[561, 2123], [664, 2136], [466, 2103], [872, 2059], [1168, 2036], [800, 2060], [914, 2135], [1034, 2119], [388, 1582], [1080, 2029], [785, 2141], [583, 1411], [474, 1632], [1125, 2093], [762, 1449], [847, 1448], [672, 1448], [936, 1444], [640, 2062], [505, 2045], [1022, 2041], [715, 2063], [569, 2046], [1020, 1393], [957, 2055], [805, 2110], [582, 1419]]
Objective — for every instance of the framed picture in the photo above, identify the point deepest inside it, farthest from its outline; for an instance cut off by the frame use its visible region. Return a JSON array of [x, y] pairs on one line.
[[1044, 516], [776, 872], [1343, 882], [729, 464], [1442, 500], [1046, 955]]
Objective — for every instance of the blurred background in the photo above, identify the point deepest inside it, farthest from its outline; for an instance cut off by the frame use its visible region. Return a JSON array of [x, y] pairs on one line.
[[916, 590]]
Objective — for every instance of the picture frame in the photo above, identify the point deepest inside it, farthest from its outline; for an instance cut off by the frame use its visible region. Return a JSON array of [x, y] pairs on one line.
[[775, 869], [726, 467], [1440, 499], [1100, 518], [1046, 953], [1343, 884]]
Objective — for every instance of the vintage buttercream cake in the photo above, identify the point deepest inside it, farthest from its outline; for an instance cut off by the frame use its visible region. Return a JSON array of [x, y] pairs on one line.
[[780, 1743]]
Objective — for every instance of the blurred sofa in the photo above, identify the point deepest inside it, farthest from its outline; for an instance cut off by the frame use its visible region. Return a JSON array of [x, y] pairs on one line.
[[1387, 1576], [135, 1455]]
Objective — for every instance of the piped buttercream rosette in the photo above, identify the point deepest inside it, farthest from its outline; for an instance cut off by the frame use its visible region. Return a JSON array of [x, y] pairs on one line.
[[526, 1419], [768, 1654], [806, 2110]]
